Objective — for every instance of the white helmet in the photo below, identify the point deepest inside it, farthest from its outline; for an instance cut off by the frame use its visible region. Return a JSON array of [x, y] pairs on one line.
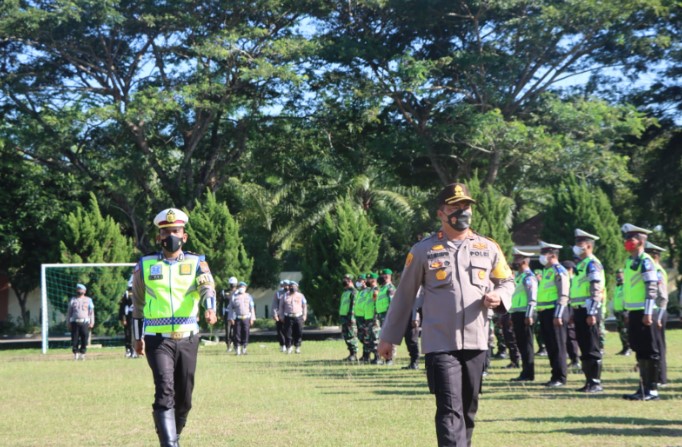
[[232, 280]]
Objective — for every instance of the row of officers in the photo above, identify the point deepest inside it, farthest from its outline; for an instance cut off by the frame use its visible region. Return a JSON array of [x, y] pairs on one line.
[[555, 299]]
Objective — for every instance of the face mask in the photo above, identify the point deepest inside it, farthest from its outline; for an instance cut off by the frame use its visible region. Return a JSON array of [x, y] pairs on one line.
[[463, 217], [292, 290], [80, 292], [241, 289], [381, 281], [171, 243], [358, 284], [578, 251], [543, 260], [515, 265], [630, 245]]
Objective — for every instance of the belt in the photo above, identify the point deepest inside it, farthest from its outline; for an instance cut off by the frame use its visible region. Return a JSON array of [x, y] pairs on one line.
[[174, 335], [80, 320], [244, 317], [293, 315]]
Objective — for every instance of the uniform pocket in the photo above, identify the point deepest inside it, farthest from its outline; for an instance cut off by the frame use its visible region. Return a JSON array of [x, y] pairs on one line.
[[480, 275]]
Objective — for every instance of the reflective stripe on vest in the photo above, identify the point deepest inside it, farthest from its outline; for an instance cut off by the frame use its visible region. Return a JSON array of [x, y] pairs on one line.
[[171, 294], [520, 296], [634, 289], [344, 304], [383, 299], [548, 294]]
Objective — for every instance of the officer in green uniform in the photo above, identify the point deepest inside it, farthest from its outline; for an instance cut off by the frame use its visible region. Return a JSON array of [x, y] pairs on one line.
[[167, 289], [371, 319], [522, 312], [349, 329], [655, 252], [588, 289], [621, 314], [640, 287], [552, 302], [359, 310]]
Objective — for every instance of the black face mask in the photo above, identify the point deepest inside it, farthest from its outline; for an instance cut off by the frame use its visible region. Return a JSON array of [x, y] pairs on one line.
[[292, 289], [463, 217], [80, 292], [515, 266], [171, 243], [381, 281]]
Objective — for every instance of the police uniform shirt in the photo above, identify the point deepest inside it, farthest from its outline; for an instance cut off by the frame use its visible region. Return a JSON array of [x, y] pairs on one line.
[[454, 280], [277, 297], [530, 286], [81, 309], [662, 295], [242, 307], [293, 304], [204, 281]]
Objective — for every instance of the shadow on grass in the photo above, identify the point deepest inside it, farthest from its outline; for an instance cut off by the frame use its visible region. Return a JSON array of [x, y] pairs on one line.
[[590, 426]]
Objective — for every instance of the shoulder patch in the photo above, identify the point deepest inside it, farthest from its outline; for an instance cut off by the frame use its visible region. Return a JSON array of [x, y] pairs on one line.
[[647, 265], [409, 259], [560, 269], [203, 266], [438, 247]]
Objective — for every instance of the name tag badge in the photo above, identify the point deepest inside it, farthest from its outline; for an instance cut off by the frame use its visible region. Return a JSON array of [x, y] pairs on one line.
[[155, 272], [186, 269]]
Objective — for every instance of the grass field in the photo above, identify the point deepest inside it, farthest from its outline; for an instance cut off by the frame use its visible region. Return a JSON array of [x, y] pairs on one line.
[[271, 399]]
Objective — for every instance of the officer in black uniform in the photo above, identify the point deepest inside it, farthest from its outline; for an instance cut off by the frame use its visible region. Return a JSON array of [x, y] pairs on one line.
[[167, 289], [125, 316]]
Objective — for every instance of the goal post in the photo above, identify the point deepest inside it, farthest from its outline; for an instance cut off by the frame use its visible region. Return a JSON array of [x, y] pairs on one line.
[[105, 283]]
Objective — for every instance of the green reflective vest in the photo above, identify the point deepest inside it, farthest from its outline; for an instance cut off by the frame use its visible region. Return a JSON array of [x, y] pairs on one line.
[[360, 303], [520, 296], [171, 294], [370, 305], [618, 305], [345, 302], [548, 294], [634, 288], [384, 298], [580, 283]]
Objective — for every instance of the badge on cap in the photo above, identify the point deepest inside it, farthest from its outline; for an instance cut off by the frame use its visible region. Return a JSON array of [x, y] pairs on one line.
[[171, 217]]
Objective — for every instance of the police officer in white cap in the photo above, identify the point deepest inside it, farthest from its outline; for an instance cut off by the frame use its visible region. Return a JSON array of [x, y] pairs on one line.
[[522, 312], [640, 292], [552, 302], [226, 297], [167, 289], [588, 289], [655, 252]]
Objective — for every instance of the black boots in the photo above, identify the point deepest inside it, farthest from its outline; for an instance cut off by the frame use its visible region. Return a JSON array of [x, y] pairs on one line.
[[166, 428], [649, 373]]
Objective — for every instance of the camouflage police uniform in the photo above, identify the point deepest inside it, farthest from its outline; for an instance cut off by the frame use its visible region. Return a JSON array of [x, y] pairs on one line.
[[349, 328]]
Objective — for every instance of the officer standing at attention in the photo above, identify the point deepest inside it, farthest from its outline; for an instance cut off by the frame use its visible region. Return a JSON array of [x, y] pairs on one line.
[[411, 335], [621, 314], [359, 310], [588, 289], [572, 348], [226, 297], [242, 315], [167, 289], [349, 328], [294, 307], [655, 252], [371, 318], [640, 292], [552, 301], [522, 312], [81, 318], [463, 275], [279, 321], [125, 316]]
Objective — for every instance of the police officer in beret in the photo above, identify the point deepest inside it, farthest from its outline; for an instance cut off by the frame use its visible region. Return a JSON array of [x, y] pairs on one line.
[[167, 289], [587, 292], [463, 275], [349, 328], [640, 295]]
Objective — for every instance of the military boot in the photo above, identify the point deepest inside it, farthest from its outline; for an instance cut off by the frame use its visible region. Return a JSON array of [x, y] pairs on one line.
[[165, 427], [639, 394]]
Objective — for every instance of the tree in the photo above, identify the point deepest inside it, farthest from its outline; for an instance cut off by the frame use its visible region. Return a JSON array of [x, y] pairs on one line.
[[492, 214], [344, 242], [215, 233], [89, 237]]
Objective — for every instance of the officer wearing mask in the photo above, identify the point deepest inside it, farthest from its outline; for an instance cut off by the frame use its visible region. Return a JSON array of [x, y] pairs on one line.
[[242, 315], [167, 289], [226, 298], [655, 252], [588, 289], [522, 312], [463, 275], [349, 329], [552, 302], [372, 326], [640, 292], [125, 316], [294, 308], [359, 310], [279, 321]]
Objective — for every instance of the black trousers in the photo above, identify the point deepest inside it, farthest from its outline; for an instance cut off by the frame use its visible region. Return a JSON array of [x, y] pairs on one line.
[[509, 338], [555, 343], [79, 337], [455, 378], [643, 339], [229, 331], [173, 363], [587, 336], [280, 332], [293, 331], [660, 339], [524, 341], [128, 332], [242, 330], [571, 337], [412, 341]]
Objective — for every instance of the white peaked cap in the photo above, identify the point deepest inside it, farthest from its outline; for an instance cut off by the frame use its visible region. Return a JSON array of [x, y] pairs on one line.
[[629, 228], [518, 252], [585, 234], [544, 244]]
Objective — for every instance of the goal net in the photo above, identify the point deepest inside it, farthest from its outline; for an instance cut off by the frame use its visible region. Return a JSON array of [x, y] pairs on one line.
[[105, 284]]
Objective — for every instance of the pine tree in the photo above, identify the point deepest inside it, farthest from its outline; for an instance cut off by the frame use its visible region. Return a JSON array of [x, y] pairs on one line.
[[492, 214], [89, 237], [345, 242], [215, 233]]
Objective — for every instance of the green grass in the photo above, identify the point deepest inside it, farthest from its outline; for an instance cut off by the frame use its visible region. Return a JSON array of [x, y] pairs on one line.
[[271, 399]]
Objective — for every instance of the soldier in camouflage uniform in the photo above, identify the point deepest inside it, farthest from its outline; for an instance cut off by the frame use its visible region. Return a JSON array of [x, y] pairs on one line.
[[359, 310], [349, 328], [372, 327], [621, 314]]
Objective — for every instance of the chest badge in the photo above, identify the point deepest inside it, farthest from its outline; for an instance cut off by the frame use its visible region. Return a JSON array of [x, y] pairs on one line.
[[186, 269], [481, 274], [155, 272], [441, 274]]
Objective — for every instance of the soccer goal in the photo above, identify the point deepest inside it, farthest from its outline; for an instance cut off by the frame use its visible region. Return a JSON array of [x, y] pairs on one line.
[[106, 283]]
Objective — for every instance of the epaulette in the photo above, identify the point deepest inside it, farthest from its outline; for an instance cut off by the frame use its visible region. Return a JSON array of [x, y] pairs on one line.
[[560, 269]]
